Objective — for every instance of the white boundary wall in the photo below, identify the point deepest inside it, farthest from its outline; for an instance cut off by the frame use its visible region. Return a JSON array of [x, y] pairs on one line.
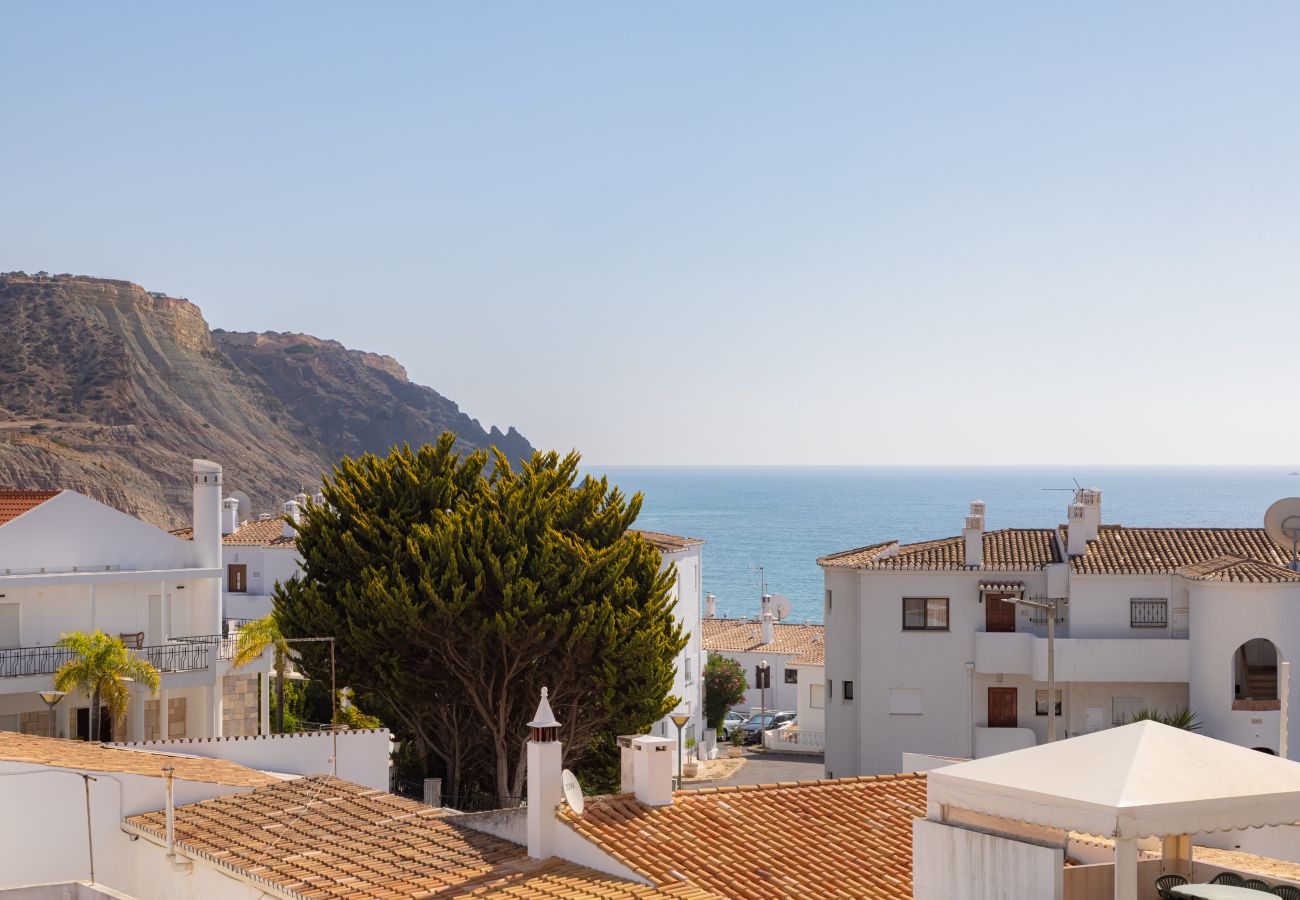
[[363, 754], [950, 863]]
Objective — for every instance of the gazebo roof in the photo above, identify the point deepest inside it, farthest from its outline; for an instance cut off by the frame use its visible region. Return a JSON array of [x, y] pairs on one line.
[[1139, 780]]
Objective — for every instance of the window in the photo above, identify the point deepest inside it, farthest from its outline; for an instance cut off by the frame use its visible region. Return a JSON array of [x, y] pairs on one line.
[[848, 690], [905, 701], [1145, 612], [828, 599], [791, 676], [689, 679], [925, 613], [817, 696], [1040, 703], [830, 689]]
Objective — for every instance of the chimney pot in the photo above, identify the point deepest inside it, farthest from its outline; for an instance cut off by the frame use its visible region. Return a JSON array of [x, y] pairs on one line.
[[291, 513], [653, 770], [973, 534], [710, 606]]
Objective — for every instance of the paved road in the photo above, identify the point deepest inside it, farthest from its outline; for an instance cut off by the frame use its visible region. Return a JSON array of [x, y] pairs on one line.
[[766, 768]]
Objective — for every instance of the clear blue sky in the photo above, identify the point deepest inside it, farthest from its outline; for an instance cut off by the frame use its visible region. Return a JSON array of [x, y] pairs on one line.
[[709, 233]]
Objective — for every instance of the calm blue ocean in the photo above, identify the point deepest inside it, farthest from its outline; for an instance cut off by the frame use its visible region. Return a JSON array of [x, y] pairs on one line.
[[784, 518]]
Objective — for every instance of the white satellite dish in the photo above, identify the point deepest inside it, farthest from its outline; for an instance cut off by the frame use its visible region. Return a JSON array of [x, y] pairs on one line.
[[780, 606], [1282, 522], [572, 791]]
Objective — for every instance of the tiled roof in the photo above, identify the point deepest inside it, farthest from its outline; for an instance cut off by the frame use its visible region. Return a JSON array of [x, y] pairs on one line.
[[1237, 569], [1150, 551], [1006, 550], [257, 533], [850, 837], [14, 503], [806, 642], [668, 543], [323, 837], [65, 754]]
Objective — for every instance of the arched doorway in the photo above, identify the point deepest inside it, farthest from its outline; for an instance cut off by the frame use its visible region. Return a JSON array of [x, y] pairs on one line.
[[1254, 671]]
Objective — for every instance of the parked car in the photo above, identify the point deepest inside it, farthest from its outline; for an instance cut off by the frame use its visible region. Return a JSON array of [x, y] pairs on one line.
[[730, 721], [756, 724]]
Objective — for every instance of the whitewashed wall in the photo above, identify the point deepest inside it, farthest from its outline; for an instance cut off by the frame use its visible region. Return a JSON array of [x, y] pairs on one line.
[[951, 863]]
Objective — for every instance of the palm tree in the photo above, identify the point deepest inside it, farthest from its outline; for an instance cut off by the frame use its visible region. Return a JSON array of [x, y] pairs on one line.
[[101, 665], [252, 642]]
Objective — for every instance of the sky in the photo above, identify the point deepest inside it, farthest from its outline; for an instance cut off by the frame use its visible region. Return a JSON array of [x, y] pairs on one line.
[[729, 233]]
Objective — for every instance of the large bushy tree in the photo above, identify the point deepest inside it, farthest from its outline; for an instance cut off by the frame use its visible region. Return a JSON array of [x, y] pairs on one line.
[[457, 590]]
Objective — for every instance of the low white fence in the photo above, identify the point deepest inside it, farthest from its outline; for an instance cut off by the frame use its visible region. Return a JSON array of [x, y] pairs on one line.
[[793, 741]]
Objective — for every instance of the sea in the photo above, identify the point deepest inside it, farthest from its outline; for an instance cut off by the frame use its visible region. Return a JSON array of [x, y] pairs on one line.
[[767, 526]]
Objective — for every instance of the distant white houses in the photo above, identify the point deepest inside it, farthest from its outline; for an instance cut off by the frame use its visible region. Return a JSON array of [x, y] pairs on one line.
[[925, 654], [69, 563]]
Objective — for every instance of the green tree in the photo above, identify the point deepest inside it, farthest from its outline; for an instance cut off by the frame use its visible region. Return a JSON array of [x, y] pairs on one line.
[[1182, 718], [456, 591], [724, 687], [254, 639], [101, 666]]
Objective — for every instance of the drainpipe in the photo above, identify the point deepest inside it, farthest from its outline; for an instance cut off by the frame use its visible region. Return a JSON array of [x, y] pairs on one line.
[[173, 860], [970, 711], [1284, 694]]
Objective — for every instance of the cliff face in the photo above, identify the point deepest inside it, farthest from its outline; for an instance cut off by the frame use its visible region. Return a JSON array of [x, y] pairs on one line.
[[111, 390]]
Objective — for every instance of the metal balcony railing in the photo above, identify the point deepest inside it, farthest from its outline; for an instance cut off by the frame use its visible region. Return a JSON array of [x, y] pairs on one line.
[[225, 644], [178, 656]]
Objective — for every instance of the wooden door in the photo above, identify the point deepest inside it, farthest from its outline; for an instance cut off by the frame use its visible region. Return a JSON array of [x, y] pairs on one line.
[[237, 579], [998, 614], [1002, 707]]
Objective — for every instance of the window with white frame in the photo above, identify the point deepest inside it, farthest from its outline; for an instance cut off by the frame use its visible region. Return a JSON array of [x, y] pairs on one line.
[[925, 613], [1148, 612], [687, 673]]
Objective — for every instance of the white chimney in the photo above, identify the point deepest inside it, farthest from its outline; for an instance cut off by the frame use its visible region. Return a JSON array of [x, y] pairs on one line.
[[769, 630], [207, 513], [1090, 499], [973, 534], [652, 768], [229, 515], [710, 606], [291, 514], [1077, 530], [302, 500], [545, 762], [318, 499]]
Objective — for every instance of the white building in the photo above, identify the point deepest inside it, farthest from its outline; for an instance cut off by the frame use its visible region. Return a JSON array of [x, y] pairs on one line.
[[69, 563], [684, 553], [923, 654]]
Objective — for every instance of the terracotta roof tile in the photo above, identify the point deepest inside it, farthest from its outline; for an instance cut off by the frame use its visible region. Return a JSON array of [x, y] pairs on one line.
[[65, 754], [1150, 551], [1006, 550], [14, 503], [1237, 569], [257, 533], [322, 837], [806, 642], [668, 543], [848, 838]]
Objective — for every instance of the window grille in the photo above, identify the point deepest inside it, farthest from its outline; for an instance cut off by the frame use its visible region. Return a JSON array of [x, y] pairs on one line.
[[1146, 612]]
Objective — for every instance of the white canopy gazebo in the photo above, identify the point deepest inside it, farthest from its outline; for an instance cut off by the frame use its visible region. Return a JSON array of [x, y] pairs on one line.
[[1139, 780]]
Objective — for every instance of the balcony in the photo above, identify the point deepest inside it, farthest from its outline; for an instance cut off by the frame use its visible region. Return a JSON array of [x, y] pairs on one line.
[[184, 655], [1083, 659]]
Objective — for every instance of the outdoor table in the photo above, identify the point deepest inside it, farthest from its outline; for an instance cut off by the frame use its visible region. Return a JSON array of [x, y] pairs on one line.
[[1217, 892]]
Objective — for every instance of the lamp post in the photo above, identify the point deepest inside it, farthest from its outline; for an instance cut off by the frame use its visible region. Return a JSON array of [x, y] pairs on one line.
[[680, 720], [764, 674], [51, 700], [1049, 605]]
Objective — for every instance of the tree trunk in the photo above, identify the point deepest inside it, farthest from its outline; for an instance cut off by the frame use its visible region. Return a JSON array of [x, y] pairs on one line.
[[503, 775], [94, 715]]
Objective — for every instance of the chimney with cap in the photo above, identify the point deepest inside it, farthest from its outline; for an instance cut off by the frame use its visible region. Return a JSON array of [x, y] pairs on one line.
[[973, 534], [647, 765], [545, 763], [229, 515], [710, 606], [291, 516]]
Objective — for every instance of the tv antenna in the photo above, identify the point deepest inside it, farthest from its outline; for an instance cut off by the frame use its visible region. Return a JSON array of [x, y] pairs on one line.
[[1282, 522], [762, 579], [1077, 487]]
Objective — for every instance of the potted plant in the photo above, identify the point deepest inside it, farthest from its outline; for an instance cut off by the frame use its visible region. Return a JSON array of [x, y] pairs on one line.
[[690, 765], [737, 748]]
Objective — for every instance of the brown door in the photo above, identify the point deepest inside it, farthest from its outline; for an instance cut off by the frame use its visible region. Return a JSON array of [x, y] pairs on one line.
[[1002, 707], [237, 579], [998, 614]]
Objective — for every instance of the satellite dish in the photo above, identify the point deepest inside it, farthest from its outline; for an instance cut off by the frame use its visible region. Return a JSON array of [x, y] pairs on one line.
[[780, 606], [1282, 522], [572, 791], [245, 505]]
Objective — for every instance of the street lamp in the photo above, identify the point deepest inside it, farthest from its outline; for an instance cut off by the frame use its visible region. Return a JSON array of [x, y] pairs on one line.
[[51, 700], [764, 676], [1050, 607], [680, 720]]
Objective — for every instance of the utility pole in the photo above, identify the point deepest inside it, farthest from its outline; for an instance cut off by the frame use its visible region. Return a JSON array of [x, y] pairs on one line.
[[1050, 606]]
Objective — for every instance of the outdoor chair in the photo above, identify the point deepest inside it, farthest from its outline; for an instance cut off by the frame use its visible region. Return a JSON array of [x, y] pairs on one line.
[[1255, 884], [1232, 879], [1165, 882], [1286, 892]]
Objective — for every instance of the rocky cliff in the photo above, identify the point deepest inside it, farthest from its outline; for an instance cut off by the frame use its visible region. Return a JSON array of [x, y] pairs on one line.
[[111, 390]]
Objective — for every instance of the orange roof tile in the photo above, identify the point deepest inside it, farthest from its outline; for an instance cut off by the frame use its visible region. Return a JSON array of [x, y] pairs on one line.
[[322, 837], [257, 533], [667, 543], [850, 837], [65, 754], [1156, 551], [1007, 550], [806, 642], [14, 503]]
